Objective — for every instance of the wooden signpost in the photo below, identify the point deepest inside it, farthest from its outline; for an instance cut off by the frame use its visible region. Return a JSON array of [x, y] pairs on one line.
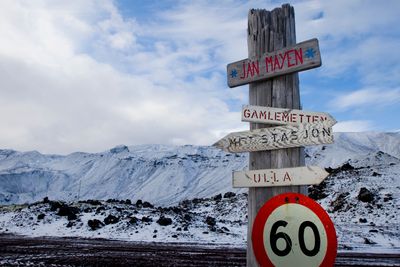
[[280, 116], [277, 137], [302, 56], [279, 177], [277, 153]]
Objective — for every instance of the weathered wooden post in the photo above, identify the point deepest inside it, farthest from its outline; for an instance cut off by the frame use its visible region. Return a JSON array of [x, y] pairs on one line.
[[276, 152], [269, 31]]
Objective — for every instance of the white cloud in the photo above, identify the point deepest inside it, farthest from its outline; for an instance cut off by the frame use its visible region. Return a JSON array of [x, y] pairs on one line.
[[65, 84], [77, 75], [367, 98], [353, 126]]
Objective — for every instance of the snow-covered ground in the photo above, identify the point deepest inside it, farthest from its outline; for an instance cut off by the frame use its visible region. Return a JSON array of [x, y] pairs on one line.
[[361, 195]]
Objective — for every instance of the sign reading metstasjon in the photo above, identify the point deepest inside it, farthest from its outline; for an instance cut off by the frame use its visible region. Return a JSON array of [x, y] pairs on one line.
[[277, 137], [302, 56], [279, 177]]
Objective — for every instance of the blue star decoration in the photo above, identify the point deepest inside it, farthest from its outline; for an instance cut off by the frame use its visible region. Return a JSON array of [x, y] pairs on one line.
[[234, 73], [309, 53]]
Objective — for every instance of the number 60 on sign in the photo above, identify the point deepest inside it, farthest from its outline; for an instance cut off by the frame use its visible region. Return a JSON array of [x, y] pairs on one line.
[[293, 230]]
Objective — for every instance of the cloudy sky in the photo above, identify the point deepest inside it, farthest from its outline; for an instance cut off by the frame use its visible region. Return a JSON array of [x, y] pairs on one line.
[[89, 75]]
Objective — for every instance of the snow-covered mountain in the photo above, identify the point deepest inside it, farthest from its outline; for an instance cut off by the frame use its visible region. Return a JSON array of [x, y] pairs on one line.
[[361, 196], [163, 175]]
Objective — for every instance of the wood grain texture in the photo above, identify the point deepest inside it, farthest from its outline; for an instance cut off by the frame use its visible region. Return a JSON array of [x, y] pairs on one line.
[[300, 57], [280, 116], [269, 31], [279, 177], [277, 137]]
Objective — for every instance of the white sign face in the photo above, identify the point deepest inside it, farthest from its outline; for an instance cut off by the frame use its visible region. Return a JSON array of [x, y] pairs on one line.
[[279, 177], [276, 137], [280, 116], [291, 229], [295, 236]]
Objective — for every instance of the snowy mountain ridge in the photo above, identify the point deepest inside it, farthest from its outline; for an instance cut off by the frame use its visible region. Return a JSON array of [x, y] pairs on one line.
[[161, 174]]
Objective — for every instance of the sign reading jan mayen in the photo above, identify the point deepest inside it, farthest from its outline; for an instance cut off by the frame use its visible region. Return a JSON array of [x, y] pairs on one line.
[[279, 177], [282, 116], [302, 56], [277, 137]]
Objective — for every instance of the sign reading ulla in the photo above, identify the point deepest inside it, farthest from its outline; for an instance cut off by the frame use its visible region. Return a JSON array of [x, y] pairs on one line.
[[302, 56], [279, 177]]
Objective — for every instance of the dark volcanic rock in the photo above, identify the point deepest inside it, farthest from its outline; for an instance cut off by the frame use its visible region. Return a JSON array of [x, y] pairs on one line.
[[146, 219], [70, 212], [345, 167], [365, 195], [187, 217], [147, 205], [139, 203], [41, 216], [95, 224], [340, 201], [110, 219], [317, 192], [93, 202], [217, 197], [134, 220], [100, 209], [54, 205], [229, 194], [164, 221], [210, 221]]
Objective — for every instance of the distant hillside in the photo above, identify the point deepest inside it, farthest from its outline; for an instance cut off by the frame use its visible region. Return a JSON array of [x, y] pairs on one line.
[[161, 174]]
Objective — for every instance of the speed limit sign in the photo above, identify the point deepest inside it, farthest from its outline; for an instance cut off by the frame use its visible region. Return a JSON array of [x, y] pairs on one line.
[[293, 230]]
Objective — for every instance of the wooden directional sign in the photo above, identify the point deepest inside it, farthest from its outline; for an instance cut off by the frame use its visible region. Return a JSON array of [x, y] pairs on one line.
[[293, 230], [300, 57], [279, 177], [277, 137], [280, 116]]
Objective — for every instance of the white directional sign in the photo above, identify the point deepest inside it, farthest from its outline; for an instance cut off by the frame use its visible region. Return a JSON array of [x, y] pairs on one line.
[[279, 177], [277, 137], [302, 56], [280, 116]]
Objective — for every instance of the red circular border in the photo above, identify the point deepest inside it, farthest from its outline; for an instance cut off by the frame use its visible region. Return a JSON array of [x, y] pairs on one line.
[[257, 235]]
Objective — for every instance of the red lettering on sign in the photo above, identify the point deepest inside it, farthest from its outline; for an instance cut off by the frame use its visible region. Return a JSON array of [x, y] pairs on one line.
[[289, 58], [285, 116], [252, 69], [299, 56], [276, 63], [301, 118], [293, 117], [268, 61], [246, 113], [277, 118]]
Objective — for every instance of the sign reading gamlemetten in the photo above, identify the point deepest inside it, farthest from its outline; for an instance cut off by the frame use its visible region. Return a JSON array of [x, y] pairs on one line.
[[280, 116], [279, 177], [302, 56]]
